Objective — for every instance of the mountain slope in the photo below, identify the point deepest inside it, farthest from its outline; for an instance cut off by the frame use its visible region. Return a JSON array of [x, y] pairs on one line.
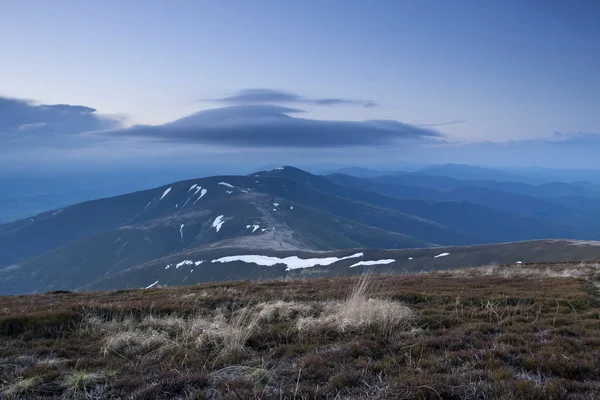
[[522, 205], [284, 210], [200, 266], [483, 224]]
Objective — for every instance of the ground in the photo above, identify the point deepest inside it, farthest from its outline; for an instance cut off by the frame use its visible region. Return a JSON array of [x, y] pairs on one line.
[[513, 332]]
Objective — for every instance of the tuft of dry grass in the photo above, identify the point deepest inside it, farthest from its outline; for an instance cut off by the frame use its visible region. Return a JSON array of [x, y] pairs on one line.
[[359, 312], [20, 387], [81, 384], [229, 334], [158, 335], [284, 311], [129, 343]]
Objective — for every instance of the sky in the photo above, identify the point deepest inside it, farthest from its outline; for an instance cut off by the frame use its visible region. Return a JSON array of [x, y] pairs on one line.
[[355, 82]]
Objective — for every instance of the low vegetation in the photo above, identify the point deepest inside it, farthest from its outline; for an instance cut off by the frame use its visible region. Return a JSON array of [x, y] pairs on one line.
[[495, 332]]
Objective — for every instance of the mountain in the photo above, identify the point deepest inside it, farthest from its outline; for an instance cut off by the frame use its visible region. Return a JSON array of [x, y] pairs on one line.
[[545, 190], [483, 224], [364, 172], [470, 172], [285, 212], [579, 215]]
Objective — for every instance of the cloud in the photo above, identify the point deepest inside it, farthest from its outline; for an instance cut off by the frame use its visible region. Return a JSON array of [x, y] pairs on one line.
[[459, 121], [271, 96], [35, 125], [582, 139], [21, 119], [268, 126], [68, 108]]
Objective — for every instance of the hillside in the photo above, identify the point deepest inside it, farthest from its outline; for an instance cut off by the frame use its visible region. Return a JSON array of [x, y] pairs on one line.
[[123, 241], [504, 332]]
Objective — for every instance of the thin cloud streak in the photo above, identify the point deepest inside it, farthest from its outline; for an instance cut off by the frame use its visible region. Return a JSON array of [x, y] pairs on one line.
[[459, 121], [273, 96]]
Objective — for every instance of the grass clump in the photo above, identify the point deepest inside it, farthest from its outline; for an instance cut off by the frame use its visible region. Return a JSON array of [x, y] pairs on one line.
[[20, 387], [285, 311], [128, 343], [81, 384], [229, 334], [359, 312]]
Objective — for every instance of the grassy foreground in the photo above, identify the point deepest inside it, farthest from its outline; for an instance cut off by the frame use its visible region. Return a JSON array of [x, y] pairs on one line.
[[526, 332]]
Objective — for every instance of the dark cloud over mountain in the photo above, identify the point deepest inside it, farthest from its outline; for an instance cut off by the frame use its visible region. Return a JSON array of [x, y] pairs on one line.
[[271, 96], [273, 126], [22, 118]]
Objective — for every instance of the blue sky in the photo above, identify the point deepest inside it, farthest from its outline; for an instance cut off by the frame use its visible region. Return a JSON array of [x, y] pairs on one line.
[[506, 70]]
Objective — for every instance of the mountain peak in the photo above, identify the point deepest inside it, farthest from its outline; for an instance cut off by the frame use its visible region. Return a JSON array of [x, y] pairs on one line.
[[286, 172]]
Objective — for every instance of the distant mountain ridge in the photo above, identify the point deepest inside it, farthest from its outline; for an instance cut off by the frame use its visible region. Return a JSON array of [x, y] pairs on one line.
[[281, 210]]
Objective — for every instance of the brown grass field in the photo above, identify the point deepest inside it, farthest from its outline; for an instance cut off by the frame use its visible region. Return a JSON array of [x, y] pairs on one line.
[[496, 332]]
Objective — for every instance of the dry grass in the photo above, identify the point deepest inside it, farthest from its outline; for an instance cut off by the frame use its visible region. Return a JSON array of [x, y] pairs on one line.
[[82, 385], [160, 335], [20, 387], [359, 312], [483, 334], [131, 343], [559, 270], [283, 311], [229, 334]]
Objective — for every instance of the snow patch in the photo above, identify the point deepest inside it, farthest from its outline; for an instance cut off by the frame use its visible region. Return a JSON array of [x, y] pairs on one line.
[[154, 284], [166, 192], [442, 255], [58, 212], [218, 223], [291, 207], [276, 204], [202, 193], [264, 230], [150, 202], [168, 266], [226, 184], [181, 231], [192, 187], [374, 262], [255, 227], [410, 258], [198, 263], [184, 262], [291, 263], [229, 192], [519, 262], [248, 226]]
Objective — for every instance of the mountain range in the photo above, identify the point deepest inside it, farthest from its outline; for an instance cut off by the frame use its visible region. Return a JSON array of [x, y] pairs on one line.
[[287, 222]]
